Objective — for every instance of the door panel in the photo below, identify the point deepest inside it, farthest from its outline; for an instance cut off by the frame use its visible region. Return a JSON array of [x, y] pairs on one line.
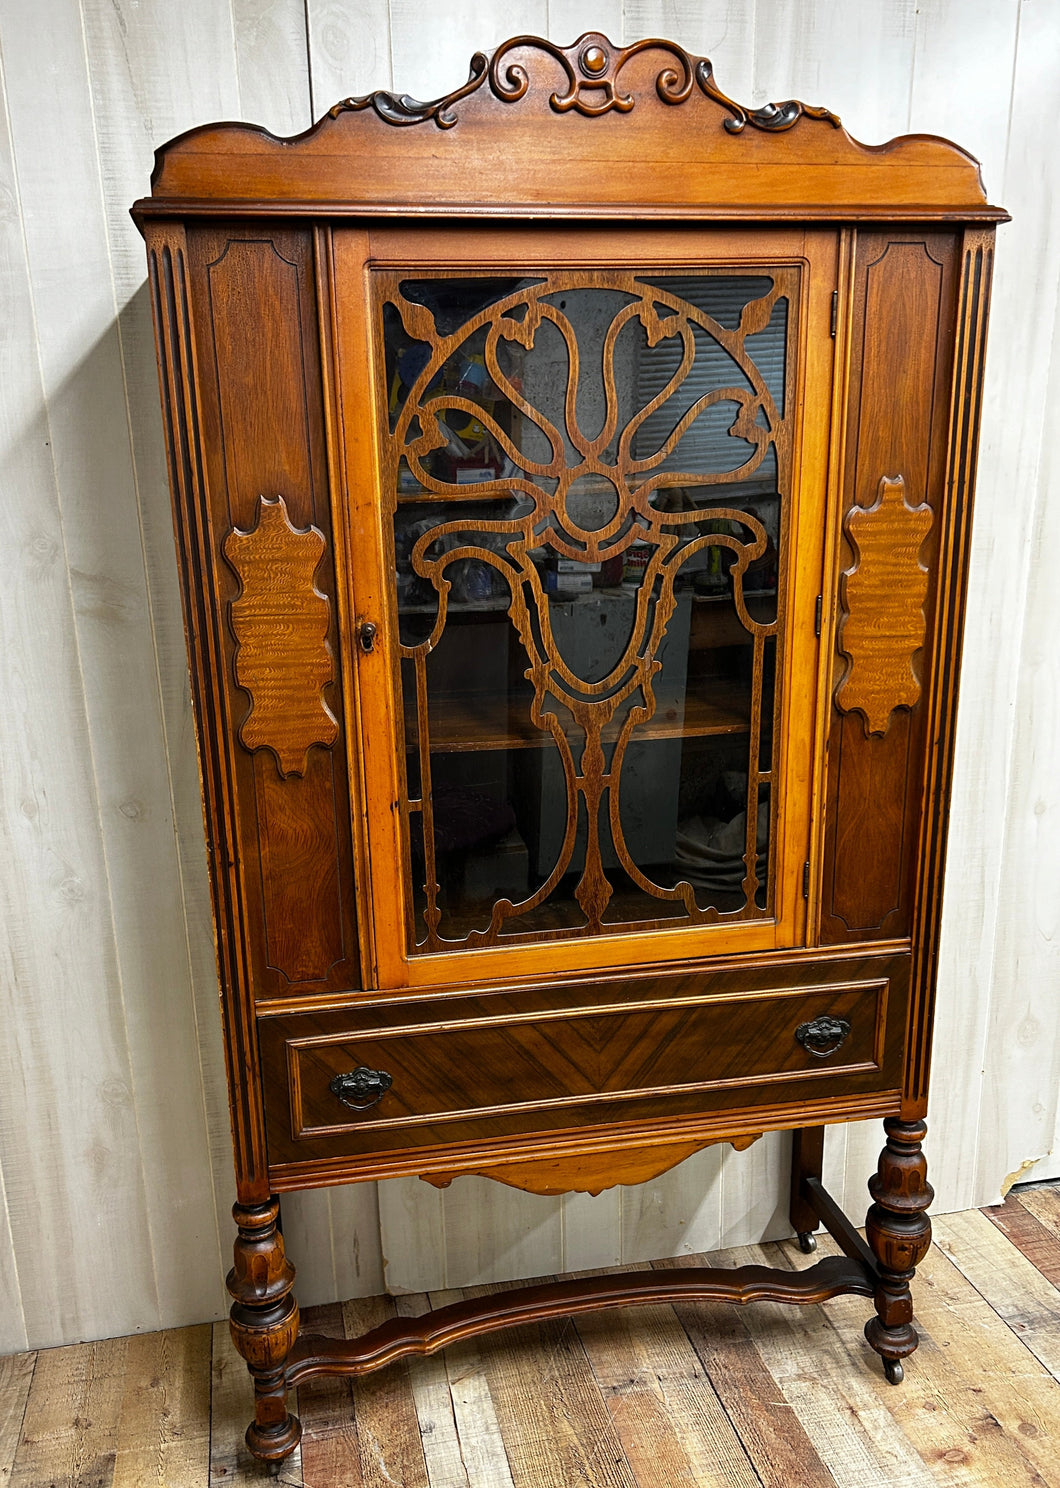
[[591, 481]]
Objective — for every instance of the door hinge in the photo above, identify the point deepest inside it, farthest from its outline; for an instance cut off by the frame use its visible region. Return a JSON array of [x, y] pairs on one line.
[[806, 880], [817, 616], [835, 310]]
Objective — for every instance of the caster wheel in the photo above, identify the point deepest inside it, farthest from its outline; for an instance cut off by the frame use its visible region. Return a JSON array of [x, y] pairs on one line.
[[807, 1242], [892, 1368]]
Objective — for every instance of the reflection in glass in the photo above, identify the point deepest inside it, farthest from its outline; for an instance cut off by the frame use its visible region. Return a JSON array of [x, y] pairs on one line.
[[588, 479]]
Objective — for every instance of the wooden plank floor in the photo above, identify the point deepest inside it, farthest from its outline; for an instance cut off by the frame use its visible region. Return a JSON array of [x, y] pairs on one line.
[[654, 1397]]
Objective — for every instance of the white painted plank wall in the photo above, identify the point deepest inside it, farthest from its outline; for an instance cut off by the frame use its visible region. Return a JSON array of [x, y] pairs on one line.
[[115, 1168]]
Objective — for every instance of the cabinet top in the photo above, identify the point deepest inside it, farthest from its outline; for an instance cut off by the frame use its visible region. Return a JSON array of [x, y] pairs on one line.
[[594, 130]]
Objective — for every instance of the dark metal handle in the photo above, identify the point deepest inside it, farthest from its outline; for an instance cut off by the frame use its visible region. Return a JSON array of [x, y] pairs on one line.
[[361, 1088], [367, 634], [823, 1036]]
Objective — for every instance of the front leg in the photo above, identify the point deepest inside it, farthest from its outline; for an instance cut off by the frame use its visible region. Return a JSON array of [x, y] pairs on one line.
[[264, 1323], [899, 1232]]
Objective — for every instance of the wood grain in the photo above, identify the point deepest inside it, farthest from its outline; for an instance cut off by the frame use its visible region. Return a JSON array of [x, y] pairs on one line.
[[770, 1431], [881, 624], [162, 1433], [975, 1406], [333, 168], [72, 1416], [16, 1378], [699, 1392], [592, 1173], [425, 1335], [664, 1407], [897, 417], [281, 621], [65, 1065], [149, 74], [1015, 1288], [1038, 1241]]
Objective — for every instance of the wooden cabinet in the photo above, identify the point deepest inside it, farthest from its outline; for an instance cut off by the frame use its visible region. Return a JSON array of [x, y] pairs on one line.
[[572, 483]]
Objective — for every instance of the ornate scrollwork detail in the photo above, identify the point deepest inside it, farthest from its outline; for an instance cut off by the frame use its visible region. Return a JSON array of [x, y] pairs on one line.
[[401, 109], [591, 67], [605, 714], [823, 1036], [775, 118]]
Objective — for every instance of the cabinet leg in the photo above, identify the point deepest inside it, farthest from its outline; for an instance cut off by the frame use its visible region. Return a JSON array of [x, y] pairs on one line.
[[264, 1323], [807, 1157], [899, 1232]]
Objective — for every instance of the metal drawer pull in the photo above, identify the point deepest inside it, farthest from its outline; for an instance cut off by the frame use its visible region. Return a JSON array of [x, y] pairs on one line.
[[361, 1088], [823, 1036]]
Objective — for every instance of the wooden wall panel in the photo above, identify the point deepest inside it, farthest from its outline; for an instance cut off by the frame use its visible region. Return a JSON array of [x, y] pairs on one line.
[[1018, 1115], [65, 1068], [76, 345], [349, 44]]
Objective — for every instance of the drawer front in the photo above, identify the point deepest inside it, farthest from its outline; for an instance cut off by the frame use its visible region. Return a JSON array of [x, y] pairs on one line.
[[497, 1066]]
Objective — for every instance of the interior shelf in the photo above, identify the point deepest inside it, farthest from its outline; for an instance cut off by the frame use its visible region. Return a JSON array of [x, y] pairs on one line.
[[473, 721]]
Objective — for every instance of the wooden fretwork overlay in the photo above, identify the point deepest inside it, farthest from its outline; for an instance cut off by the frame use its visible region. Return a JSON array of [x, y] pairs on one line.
[[280, 622], [882, 600], [525, 499]]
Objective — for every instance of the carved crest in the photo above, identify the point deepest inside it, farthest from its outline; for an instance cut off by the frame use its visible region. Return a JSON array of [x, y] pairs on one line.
[[280, 621], [882, 595], [591, 67]]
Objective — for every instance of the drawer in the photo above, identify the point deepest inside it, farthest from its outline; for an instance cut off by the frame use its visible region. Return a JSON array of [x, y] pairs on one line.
[[516, 1062]]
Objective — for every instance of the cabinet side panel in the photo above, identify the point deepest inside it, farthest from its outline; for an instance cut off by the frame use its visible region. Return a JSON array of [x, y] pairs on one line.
[[890, 538], [181, 416], [275, 576], [977, 261]]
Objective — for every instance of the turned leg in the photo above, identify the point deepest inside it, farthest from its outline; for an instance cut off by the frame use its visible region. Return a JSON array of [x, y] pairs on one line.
[[264, 1322], [899, 1232], [807, 1156]]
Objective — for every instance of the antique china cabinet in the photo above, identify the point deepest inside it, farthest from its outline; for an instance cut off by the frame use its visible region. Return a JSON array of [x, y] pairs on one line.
[[572, 482]]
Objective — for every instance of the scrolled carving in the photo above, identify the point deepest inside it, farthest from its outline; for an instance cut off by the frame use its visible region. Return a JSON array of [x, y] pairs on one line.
[[608, 710], [774, 118], [591, 67], [401, 109]]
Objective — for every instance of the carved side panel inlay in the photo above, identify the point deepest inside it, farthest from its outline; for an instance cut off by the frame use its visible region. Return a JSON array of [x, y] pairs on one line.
[[280, 622], [882, 596]]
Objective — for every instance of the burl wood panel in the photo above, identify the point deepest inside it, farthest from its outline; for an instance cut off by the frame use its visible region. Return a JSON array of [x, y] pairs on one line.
[[263, 420], [553, 1058], [901, 355], [881, 598], [280, 622]]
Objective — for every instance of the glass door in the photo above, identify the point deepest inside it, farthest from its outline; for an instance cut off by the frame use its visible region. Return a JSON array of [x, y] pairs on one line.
[[588, 528]]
